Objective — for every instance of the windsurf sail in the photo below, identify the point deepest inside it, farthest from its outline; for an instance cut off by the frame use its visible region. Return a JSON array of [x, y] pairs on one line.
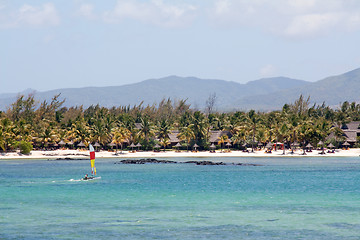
[[92, 159]]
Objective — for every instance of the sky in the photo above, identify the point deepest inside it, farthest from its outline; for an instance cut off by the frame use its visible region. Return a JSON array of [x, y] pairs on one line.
[[55, 44]]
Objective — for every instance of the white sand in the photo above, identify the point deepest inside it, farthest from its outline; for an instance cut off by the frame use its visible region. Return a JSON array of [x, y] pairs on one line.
[[76, 154]]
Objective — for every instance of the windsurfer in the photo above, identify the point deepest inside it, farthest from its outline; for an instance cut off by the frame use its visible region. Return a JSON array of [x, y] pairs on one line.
[[86, 177]]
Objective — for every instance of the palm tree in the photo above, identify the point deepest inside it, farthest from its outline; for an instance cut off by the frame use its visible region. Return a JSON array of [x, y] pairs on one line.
[[199, 127], [79, 131], [23, 131], [251, 121], [7, 135], [293, 122], [147, 130], [164, 130], [47, 133], [239, 135], [164, 142], [120, 135], [284, 132], [187, 134], [323, 129], [261, 135], [222, 140], [100, 132], [271, 122]]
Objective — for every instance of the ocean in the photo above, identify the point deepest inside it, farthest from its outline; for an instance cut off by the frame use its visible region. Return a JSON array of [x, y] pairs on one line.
[[282, 198]]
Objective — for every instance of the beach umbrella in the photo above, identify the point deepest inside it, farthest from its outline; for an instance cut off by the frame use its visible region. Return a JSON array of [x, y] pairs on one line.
[[62, 143], [346, 144], [195, 146], [309, 146], [138, 146], [331, 145], [212, 146], [132, 146], [96, 145], [269, 145], [228, 144], [178, 145], [320, 143], [81, 144], [157, 147], [112, 145]]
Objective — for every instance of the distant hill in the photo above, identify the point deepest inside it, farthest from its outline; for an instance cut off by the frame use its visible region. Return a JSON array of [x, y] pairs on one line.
[[263, 94], [331, 90], [152, 91]]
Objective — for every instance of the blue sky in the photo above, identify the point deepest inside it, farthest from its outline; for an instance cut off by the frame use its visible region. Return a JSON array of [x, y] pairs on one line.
[[76, 43]]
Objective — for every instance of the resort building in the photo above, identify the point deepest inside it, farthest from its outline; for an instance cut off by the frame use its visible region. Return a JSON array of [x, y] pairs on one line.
[[351, 131]]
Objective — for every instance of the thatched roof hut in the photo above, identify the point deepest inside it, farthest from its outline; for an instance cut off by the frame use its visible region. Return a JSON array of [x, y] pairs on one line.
[[330, 145]]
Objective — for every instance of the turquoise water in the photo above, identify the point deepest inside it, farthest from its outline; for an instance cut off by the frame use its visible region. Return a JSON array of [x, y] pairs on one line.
[[310, 198]]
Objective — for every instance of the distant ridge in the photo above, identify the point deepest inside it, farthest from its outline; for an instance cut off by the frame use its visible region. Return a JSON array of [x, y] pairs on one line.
[[263, 94], [332, 90], [152, 91]]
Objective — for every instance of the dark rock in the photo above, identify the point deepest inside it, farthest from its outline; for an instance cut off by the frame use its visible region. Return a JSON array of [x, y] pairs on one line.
[[67, 159], [248, 164], [206, 163], [143, 161], [153, 160], [221, 163]]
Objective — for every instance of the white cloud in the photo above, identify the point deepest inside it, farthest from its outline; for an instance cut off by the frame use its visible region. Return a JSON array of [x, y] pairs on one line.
[[153, 12], [311, 24], [268, 70], [87, 10], [290, 18], [222, 7], [28, 15]]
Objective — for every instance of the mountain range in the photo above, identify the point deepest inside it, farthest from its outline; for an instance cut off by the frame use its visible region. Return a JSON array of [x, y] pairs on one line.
[[263, 94]]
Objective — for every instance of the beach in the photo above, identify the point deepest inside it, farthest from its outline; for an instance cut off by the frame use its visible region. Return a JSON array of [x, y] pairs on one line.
[[79, 154]]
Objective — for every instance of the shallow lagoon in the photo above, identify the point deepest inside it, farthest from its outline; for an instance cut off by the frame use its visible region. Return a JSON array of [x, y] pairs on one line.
[[285, 198]]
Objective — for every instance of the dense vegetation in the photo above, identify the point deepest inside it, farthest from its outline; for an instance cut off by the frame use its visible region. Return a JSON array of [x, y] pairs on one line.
[[28, 124]]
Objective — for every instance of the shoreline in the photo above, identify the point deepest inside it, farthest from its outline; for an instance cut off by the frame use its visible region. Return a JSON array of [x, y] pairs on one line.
[[82, 154]]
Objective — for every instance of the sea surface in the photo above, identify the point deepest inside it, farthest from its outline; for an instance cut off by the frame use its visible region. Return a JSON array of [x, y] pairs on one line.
[[283, 198]]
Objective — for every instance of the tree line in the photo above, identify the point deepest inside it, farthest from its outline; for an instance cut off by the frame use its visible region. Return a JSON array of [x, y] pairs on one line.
[[27, 124]]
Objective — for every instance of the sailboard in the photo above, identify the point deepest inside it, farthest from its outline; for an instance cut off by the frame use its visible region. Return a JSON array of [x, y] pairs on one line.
[[92, 163]]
